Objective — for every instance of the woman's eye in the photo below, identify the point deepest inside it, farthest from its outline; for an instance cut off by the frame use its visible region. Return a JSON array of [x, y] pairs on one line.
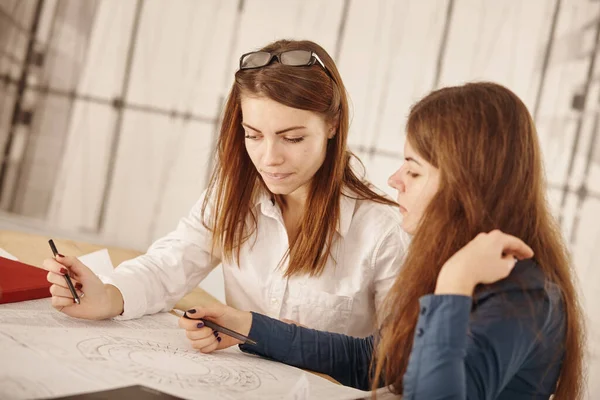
[[294, 140], [412, 174]]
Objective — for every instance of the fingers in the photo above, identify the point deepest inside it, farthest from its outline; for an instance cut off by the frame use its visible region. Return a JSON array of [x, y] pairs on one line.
[[59, 280], [61, 291], [58, 302], [512, 246], [199, 334], [52, 265], [213, 310], [66, 265], [190, 324], [202, 338], [211, 347], [68, 261]]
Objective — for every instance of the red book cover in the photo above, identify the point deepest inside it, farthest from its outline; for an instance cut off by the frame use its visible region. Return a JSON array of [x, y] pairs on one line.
[[21, 282]]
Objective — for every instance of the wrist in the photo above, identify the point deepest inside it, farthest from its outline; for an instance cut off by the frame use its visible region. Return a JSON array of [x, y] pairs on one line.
[[245, 322], [451, 281], [115, 301]]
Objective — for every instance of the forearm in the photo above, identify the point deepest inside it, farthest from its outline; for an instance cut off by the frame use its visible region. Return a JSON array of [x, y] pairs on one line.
[[344, 358]]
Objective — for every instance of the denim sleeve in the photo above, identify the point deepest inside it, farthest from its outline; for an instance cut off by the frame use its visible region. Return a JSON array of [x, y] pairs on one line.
[[459, 353], [344, 358]]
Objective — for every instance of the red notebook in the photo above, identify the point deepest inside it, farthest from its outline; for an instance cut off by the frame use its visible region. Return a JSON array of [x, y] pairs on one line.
[[20, 282]]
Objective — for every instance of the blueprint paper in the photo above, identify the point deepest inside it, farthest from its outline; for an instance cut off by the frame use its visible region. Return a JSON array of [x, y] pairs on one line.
[[54, 355]]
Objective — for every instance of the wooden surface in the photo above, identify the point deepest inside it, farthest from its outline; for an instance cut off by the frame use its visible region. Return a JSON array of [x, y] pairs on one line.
[[33, 249]]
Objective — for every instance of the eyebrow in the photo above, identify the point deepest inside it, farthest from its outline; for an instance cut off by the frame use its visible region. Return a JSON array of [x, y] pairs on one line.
[[292, 128], [413, 160]]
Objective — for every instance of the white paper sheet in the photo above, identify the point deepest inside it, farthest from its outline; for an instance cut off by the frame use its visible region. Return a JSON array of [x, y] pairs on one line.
[[54, 355], [98, 261], [6, 254]]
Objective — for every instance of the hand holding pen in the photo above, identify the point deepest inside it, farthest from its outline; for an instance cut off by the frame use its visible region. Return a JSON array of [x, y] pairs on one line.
[[216, 327], [66, 274], [76, 290]]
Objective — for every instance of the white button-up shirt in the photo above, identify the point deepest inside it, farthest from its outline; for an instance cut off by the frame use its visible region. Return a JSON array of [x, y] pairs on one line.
[[367, 253]]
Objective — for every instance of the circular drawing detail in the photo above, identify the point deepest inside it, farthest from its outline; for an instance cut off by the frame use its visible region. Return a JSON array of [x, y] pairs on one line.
[[164, 364]]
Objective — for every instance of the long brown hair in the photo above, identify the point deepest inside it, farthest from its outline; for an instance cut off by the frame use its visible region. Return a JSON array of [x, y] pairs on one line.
[[483, 141], [235, 181]]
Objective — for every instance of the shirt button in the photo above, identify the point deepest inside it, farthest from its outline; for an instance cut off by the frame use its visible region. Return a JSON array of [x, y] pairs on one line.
[[423, 310], [274, 300], [420, 332]]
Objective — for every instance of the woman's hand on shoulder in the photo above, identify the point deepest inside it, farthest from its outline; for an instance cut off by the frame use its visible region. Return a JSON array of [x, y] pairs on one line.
[[488, 258]]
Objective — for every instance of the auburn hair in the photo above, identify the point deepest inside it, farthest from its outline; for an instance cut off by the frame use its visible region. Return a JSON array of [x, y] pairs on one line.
[[235, 181], [483, 140]]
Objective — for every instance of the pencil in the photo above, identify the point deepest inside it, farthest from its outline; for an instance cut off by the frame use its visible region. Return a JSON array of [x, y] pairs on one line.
[[218, 328], [67, 277]]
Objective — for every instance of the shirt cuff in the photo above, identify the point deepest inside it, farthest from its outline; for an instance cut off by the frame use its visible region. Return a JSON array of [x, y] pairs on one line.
[[134, 301], [443, 319], [273, 337]]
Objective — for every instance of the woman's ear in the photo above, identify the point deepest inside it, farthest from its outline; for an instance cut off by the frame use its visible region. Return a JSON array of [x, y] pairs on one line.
[[331, 133], [333, 127]]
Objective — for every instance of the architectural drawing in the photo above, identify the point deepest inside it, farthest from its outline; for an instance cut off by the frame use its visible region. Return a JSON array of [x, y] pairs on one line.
[[169, 365], [58, 358]]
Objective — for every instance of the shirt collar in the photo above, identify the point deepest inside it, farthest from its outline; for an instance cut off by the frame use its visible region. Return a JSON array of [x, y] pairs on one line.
[[265, 201]]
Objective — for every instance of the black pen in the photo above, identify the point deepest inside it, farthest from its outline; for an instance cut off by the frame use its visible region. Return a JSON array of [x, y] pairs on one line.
[[217, 328], [67, 277]]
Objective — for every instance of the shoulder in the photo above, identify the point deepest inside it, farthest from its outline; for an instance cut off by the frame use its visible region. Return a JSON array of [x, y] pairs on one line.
[[367, 211], [526, 295], [372, 222]]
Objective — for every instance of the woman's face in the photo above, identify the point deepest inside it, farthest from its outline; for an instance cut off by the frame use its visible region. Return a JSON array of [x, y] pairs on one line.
[[286, 145], [417, 182]]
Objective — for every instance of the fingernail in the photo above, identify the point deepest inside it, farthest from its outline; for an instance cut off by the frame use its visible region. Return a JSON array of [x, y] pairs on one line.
[[191, 311], [78, 285], [64, 271], [200, 324], [216, 333], [219, 339]]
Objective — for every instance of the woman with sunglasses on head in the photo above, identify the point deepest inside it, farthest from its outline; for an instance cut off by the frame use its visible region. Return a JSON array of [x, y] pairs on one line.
[[300, 236], [476, 313]]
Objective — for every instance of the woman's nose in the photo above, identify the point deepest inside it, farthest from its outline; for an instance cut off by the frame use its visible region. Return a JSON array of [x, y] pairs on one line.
[[273, 154], [395, 181]]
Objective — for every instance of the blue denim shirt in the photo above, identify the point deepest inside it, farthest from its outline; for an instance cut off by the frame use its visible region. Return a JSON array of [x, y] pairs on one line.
[[505, 342]]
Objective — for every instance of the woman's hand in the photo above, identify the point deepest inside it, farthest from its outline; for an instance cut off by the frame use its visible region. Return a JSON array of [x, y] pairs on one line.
[[205, 339], [97, 300], [486, 259]]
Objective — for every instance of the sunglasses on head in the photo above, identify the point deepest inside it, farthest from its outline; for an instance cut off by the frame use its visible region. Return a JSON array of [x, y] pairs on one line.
[[292, 58]]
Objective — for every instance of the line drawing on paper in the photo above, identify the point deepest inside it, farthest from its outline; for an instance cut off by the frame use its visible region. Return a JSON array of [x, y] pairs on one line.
[[166, 364]]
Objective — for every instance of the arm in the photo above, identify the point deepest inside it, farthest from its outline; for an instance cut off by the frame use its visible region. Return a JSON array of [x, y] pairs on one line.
[[462, 355], [172, 266], [344, 358]]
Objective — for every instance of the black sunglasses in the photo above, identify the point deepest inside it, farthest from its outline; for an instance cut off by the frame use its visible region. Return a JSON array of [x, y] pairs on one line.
[[292, 58]]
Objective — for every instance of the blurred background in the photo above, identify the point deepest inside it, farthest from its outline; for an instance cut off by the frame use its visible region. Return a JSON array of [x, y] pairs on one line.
[[109, 109]]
